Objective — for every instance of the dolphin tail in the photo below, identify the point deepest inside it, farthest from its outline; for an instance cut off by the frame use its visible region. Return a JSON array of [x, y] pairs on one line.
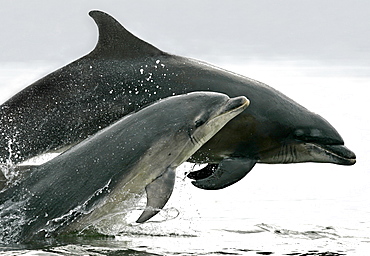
[[228, 172], [158, 192]]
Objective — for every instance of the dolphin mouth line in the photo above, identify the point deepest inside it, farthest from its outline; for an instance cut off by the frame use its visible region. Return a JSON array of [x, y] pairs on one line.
[[339, 152]]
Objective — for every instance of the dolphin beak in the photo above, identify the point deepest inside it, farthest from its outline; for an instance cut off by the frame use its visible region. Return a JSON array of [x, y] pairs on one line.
[[235, 104], [324, 143], [339, 153]]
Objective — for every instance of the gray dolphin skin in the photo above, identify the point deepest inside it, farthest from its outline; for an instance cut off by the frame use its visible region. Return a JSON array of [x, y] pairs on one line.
[[123, 74], [139, 151]]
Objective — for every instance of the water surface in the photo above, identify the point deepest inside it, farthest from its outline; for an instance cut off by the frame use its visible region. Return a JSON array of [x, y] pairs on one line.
[[295, 209]]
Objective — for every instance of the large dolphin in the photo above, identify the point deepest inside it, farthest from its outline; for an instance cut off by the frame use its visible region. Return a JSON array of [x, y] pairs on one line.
[[124, 73], [88, 181]]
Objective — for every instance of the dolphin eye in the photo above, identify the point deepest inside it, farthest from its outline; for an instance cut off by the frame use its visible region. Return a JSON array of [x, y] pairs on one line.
[[199, 122]]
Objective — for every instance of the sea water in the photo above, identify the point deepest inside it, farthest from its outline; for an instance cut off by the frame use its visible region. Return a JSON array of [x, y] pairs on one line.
[[294, 209]]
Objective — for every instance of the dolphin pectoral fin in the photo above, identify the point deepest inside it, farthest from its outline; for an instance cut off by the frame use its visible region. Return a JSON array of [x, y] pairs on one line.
[[229, 171], [203, 173], [158, 192]]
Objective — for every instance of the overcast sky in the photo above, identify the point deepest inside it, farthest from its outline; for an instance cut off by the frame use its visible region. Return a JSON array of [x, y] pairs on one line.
[[326, 33], [330, 31]]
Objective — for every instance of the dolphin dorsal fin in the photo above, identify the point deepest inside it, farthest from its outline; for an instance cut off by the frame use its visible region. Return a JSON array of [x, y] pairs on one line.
[[118, 43]]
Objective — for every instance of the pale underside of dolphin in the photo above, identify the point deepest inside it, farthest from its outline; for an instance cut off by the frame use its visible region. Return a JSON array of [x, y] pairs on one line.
[[89, 182], [123, 74]]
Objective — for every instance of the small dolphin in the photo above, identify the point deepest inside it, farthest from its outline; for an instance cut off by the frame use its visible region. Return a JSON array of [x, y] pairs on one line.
[[90, 179], [123, 74]]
